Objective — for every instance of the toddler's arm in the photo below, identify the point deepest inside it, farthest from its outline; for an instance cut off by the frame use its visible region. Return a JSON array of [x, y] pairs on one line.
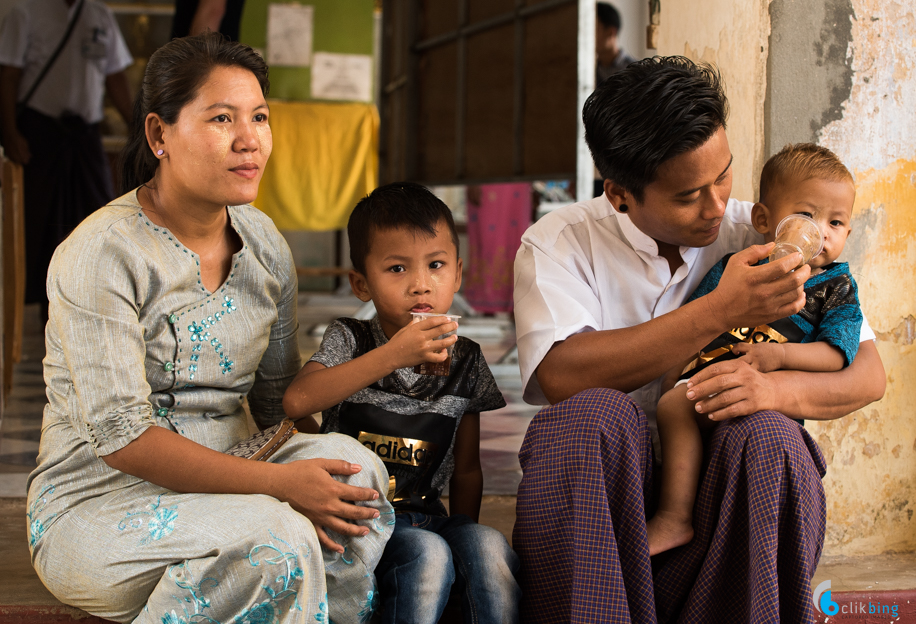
[[317, 387], [671, 377], [816, 357], [466, 486]]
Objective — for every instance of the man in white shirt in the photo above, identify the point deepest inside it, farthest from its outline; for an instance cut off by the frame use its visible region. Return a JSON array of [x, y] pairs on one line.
[[56, 137], [598, 298]]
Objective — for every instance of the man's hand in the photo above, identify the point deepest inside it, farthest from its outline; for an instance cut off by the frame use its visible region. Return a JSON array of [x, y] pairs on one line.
[[763, 356], [748, 295], [309, 488], [730, 389], [417, 342]]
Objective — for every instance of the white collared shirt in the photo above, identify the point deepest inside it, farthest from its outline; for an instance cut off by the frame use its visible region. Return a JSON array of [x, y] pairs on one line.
[[31, 32], [586, 267]]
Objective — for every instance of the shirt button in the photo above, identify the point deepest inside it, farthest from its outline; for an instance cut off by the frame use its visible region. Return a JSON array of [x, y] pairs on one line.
[[162, 411], [173, 319], [169, 366]]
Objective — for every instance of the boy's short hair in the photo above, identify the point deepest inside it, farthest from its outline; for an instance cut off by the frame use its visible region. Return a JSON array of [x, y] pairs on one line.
[[397, 205], [649, 112], [797, 162]]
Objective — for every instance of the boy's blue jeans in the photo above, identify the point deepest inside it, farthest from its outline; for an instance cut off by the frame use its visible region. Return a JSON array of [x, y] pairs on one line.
[[428, 557]]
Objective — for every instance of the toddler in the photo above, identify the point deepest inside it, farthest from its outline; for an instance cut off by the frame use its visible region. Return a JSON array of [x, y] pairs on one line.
[[824, 336]]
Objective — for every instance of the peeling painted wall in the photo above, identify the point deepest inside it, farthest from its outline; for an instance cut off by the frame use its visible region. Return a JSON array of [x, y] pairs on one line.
[[808, 73], [733, 35], [841, 73], [871, 482]]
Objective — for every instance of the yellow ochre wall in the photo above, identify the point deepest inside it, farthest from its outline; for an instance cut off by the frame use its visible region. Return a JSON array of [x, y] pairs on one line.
[[871, 454], [732, 34]]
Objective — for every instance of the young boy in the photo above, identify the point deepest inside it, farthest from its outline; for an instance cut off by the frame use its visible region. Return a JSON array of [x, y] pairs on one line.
[[801, 179], [404, 249]]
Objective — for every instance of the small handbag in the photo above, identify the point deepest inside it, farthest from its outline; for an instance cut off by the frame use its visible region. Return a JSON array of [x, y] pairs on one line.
[[265, 443]]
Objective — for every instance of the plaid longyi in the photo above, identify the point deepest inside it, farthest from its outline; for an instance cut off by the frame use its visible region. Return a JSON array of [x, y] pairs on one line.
[[581, 536]]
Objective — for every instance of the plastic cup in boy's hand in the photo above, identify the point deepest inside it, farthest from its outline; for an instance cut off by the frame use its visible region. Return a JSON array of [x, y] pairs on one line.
[[798, 234], [440, 369]]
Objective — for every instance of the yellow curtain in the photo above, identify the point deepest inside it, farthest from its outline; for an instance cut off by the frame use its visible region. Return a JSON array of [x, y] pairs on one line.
[[325, 159]]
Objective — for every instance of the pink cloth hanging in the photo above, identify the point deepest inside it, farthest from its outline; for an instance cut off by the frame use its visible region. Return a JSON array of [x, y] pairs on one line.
[[498, 215]]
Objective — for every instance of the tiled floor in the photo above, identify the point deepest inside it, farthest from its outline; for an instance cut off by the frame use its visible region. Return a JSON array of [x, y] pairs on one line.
[[501, 430]]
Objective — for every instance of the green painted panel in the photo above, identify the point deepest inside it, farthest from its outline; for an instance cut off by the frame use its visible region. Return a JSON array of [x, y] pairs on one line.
[[341, 26]]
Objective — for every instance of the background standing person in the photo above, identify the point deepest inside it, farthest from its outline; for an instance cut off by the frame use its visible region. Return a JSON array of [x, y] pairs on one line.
[[193, 17], [56, 135], [610, 57]]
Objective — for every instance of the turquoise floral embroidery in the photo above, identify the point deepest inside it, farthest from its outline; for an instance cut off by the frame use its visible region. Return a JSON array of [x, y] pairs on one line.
[[267, 611], [200, 335], [197, 332], [161, 521], [375, 521], [263, 613], [37, 527], [369, 605], [194, 603], [229, 304], [322, 615]]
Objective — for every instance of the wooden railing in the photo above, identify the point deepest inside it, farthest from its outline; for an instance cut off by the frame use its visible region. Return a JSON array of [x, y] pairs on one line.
[[12, 256]]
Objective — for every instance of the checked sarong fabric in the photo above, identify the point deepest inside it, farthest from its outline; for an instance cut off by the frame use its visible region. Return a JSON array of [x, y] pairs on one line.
[[580, 529]]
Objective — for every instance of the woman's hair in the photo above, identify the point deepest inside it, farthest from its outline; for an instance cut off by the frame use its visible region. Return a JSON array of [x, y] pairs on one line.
[[651, 111], [798, 162], [173, 76]]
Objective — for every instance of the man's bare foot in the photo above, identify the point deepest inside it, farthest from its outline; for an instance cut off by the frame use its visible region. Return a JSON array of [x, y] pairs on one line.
[[666, 531]]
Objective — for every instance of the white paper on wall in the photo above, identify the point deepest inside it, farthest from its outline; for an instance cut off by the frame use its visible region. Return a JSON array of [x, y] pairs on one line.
[[342, 77], [289, 35]]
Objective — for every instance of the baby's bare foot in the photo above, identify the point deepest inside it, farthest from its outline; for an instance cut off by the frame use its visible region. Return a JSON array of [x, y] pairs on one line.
[[667, 531]]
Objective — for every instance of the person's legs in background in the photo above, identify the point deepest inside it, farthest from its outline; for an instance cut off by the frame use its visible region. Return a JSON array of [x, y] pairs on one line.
[[66, 180]]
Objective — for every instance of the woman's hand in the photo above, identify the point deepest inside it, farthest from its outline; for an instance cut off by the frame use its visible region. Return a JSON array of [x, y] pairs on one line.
[[732, 388], [418, 342], [309, 488]]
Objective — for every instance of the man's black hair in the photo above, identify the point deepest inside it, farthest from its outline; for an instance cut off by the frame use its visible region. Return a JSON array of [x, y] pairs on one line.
[[649, 112], [607, 15], [397, 205]]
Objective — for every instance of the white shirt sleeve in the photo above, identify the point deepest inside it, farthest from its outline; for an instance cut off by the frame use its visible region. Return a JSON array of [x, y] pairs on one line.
[[118, 57], [552, 302], [14, 37], [865, 332]]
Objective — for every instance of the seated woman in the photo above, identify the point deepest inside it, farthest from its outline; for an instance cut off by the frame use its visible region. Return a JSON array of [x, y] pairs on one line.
[[168, 308]]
